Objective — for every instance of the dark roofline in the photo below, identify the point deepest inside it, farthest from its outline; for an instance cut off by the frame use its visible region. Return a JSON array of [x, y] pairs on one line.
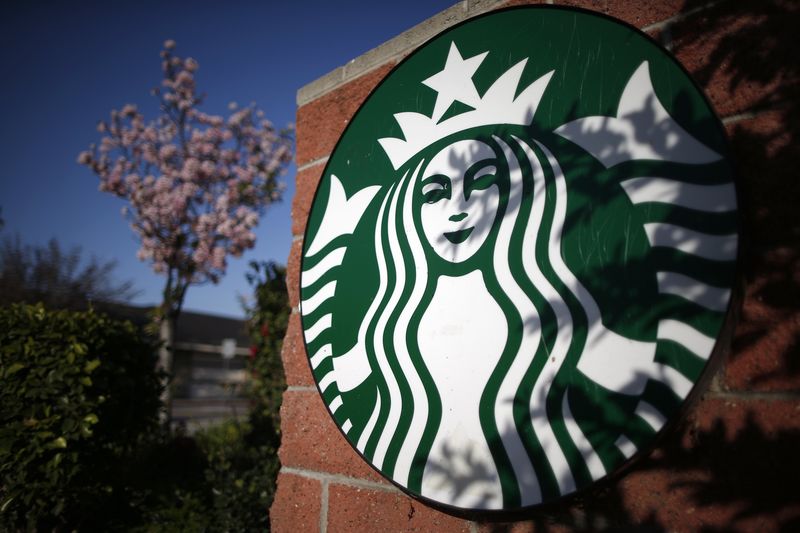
[[192, 326]]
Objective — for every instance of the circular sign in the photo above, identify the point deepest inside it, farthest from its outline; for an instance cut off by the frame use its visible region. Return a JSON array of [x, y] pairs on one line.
[[519, 258]]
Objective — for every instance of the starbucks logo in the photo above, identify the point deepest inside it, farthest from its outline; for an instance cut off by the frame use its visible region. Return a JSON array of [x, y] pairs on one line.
[[519, 258]]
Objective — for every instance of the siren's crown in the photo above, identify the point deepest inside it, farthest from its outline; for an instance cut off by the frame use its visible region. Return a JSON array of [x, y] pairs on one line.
[[454, 82]]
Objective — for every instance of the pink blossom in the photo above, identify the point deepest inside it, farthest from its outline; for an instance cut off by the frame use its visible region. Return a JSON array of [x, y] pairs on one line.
[[230, 156], [167, 151], [132, 180], [150, 134], [238, 118], [128, 110], [200, 255], [198, 202], [207, 148], [208, 168], [191, 167], [163, 185], [245, 175], [184, 77], [218, 258]]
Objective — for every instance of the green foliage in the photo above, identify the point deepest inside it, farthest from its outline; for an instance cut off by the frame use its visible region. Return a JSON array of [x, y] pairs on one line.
[[268, 319], [243, 457], [171, 487], [79, 394], [237, 461], [80, 443], [234, 490], [241, 472]]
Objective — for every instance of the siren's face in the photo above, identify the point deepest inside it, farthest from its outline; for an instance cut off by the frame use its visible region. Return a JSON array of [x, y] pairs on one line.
[[460, 199]]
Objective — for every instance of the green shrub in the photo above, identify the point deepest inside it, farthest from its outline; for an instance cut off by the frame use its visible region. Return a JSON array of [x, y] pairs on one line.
[[268, 319], [238, 460], [79, 394], [235, 489], [241, 473]]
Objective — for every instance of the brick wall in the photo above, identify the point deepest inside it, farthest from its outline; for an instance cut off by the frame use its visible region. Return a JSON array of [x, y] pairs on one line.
[[733, 463]]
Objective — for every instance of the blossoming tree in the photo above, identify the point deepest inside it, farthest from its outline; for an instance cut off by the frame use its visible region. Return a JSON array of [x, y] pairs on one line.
[[195, 183]]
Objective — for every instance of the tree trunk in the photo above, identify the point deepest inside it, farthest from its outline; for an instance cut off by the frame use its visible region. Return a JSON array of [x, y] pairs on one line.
[[166, 334], [168, 313]]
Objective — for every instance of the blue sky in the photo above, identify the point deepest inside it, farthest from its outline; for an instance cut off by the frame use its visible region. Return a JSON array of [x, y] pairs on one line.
[[65, 65]]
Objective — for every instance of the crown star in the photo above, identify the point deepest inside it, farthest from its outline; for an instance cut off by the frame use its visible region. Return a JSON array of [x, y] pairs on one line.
[[454, 82], [500, 104]]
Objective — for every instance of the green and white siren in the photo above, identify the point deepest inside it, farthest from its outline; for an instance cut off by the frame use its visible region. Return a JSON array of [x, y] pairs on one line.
[[519, 258]]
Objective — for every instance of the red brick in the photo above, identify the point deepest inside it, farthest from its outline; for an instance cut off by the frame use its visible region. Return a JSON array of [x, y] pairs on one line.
[[293, 354], [766, 348], [512, 3], [740, 415], [766, 355], [320, 123], [639, 13], [311, 440], [733, 468], [307, 181], [766, 151], [539, 525], [297, 504], [729, 468], [366, 511], [743, 54], [293, 273]]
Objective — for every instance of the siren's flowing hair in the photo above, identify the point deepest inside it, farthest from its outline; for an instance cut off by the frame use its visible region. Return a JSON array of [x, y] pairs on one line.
[[525, 405]]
